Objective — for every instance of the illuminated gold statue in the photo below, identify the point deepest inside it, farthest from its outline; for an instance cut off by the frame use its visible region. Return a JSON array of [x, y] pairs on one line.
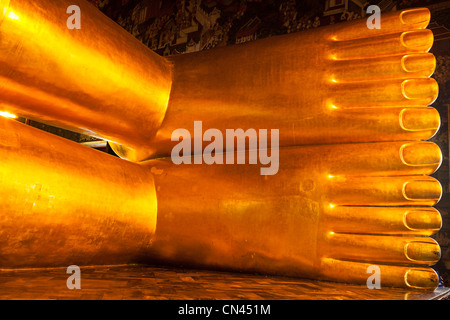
[[351, 189]]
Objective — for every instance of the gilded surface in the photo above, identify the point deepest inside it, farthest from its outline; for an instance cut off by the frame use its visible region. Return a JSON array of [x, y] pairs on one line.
[[353, 189]]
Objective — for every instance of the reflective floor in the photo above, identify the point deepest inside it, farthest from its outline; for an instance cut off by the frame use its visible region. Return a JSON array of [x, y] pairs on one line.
[[161, 283]]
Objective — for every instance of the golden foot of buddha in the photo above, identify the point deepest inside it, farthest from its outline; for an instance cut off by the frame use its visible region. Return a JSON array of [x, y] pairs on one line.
[[329, 213], [334, 84]]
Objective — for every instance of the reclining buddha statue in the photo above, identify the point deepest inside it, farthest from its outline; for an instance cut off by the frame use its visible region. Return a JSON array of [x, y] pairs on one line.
[[343, 111]]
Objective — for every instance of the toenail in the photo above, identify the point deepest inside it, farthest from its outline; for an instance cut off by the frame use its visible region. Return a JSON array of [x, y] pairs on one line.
[[420, 88], [419, 62], [422, 251], [420, 154], [421, 189], [419, 119], [421, 279], [417, 39], [423, 219], [414, 16]]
